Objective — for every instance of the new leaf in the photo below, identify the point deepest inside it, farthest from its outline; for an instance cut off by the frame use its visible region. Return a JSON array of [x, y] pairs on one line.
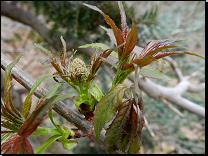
[[117, 130], [107, 107]]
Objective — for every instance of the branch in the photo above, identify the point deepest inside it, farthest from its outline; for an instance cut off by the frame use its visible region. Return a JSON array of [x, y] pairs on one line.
[[29, 19], [171, 94]]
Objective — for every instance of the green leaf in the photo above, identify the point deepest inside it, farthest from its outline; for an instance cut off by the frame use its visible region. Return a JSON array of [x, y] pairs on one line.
[[51, 118], [153, 72], [117, 130], [77, 101], [96, 92], [96, 45], [52, 91], [28, 101], [35, 119], [46, 131], [42, 147], [62, 97], [6, 136], [135, 146], [107, 107]]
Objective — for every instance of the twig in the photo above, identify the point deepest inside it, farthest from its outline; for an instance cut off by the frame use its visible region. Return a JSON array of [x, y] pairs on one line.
[[171, 107], [149, 128], [174, 65]]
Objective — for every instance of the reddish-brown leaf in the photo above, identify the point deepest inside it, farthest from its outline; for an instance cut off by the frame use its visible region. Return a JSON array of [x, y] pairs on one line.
[[117, 33], [117, 130], [35, 119], [128, 66], [97, 63], [6, 146], [21, 146], [133, 127], [158, 56], [131, 41], [141, 62], [123, 21], [16, 145]]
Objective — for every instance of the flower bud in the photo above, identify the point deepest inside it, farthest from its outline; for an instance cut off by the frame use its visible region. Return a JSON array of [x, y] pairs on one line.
[[78, 71]]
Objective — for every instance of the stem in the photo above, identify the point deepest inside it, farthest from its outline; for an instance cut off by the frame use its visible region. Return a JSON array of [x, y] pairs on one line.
[[81, 88], [46, 131], [117, 75], [136, 78]]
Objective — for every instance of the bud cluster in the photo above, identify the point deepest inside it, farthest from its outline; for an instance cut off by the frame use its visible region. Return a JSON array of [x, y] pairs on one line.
[[78, 71]]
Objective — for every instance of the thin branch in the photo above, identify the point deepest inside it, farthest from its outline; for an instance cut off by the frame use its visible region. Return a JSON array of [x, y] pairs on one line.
[[175, 67], [171, 107], [149, 128], [196, 87]]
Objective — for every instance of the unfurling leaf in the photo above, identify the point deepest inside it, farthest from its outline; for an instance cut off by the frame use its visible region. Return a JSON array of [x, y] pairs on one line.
[[98, 61], [123, 20], [52, 59], [110, 34], [130, 41], [117, 130], [63, 53], [107, 107]]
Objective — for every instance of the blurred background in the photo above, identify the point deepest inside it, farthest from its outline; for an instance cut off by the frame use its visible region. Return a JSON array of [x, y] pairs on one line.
[[154, 21]]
